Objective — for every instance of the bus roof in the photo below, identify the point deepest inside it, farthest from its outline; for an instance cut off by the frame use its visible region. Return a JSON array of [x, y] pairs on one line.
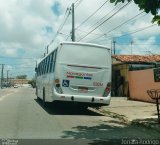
[[82, 43], [74, 43]]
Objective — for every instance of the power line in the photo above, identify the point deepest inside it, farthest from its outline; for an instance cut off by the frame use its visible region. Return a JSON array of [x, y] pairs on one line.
[[61, 26], [101, 35], [119, 25], [91, 33], [138, 30], [21, 63], [23, 67], [15, 57], [128, 33], [91, 15], [68, 12], [78, 3], [138, 44], [125, 22], [124, 38], [105, 20], [99, 21]]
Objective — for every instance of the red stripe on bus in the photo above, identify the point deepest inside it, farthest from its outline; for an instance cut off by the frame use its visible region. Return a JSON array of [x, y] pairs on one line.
[[84, 66], [70, 76]]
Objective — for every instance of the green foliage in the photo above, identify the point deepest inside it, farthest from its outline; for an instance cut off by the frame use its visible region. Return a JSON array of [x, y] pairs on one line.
[[21, 77], [117, 1], [156, 19], [149, 6]]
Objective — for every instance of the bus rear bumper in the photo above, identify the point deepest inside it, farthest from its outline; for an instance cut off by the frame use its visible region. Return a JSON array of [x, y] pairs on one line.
[[83, 99]]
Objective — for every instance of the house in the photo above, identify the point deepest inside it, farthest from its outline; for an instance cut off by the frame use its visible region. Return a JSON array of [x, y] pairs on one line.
[[132, 76], [19, 81]]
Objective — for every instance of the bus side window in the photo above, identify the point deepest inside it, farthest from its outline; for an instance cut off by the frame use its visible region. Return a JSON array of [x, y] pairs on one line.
[[51, 62], [47, 64], [54, 60], [38, 71], [43, 67]]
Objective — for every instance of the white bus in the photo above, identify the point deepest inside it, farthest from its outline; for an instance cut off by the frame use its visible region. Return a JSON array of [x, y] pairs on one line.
[[75, 72]]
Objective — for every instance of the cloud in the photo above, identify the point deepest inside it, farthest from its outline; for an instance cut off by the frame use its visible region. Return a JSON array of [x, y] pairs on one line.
[[27, 26], [56, 8]]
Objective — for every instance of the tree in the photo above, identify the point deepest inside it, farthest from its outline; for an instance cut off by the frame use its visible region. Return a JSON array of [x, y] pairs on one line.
[[21, 77], [149, 6]]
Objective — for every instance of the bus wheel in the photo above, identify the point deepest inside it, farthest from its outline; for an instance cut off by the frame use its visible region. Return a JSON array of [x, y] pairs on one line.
[[83, 107], [44, 103]]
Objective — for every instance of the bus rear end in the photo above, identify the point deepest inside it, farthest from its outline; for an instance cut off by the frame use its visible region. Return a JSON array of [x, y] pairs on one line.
[[83, 74]]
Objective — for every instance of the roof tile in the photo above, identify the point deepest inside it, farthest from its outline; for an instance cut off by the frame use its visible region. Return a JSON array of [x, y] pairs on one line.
[[137, 58]]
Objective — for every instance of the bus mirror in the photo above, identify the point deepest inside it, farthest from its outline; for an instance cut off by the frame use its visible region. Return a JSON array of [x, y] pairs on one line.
[[36, 69]]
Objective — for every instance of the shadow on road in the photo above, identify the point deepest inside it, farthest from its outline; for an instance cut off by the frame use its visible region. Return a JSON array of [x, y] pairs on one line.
[[57, 108], [110, 132]]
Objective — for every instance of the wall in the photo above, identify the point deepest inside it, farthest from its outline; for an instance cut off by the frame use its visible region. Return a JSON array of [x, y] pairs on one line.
[[123, 89], [141, 81], [20, 81]]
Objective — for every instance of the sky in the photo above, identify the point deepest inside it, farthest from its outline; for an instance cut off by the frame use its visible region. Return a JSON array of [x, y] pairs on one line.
[[27, 27]]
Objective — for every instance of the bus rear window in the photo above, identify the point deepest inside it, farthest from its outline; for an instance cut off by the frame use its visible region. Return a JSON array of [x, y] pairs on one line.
[[85, 55]]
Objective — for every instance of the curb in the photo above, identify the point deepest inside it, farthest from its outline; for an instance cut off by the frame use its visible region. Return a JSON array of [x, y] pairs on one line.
[[123, 119], [150, 123]]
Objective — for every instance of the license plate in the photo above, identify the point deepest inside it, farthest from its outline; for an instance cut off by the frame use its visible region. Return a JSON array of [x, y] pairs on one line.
[[83, 89]]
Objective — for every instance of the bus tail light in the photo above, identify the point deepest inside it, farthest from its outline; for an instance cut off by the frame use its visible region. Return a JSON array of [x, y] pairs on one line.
[[107, 89], [57, 83], [57, 86]]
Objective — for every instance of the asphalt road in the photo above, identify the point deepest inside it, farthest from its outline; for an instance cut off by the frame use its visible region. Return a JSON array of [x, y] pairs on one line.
[[22, 116]]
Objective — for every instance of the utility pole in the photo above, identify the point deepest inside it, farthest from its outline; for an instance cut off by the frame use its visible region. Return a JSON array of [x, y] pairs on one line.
[[73, 25], [8, 82], [131, 53], [7, 75], [114, 47], [131, 48], [2, 76], [111, 48]]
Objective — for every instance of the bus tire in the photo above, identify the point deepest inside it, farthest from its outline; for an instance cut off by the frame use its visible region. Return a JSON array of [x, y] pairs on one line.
[[83, 108], [43, 101]]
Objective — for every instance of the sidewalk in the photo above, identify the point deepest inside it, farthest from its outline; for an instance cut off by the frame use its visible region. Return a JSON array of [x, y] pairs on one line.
[[132, 112], [131, 109]]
